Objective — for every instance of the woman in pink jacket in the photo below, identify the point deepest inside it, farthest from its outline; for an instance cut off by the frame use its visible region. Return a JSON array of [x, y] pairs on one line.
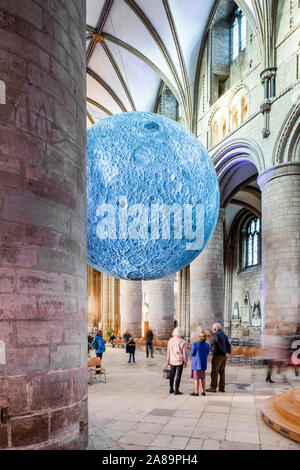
[[177, 359]]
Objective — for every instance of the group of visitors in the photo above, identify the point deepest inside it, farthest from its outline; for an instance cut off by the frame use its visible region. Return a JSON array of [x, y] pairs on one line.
[[130, 345], [178, 358]]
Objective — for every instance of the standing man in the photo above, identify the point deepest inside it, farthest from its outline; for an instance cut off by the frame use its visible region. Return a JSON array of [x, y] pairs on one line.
[[149, 345], [220, 349]]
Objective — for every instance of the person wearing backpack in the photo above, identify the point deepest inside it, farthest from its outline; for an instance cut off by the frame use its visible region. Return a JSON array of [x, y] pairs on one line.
[[99, 345]]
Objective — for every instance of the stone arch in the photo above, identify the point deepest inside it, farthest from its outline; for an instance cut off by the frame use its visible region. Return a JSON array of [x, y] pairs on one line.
[[218, 124], [287, 149], [237, 162], [237, 111], [213, 114], [238, 150]]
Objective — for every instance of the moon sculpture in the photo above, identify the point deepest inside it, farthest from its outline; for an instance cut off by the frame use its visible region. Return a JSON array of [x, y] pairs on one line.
[[152, 196]]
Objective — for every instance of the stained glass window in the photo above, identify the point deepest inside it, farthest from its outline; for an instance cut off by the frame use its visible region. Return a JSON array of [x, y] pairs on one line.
[[252, 243], [238, 33]]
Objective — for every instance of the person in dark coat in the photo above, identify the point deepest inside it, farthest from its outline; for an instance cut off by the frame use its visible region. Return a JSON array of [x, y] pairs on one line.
[[130, 348], [126, 337], [199, 353], [111, 339], [149, 345], [220, 349]]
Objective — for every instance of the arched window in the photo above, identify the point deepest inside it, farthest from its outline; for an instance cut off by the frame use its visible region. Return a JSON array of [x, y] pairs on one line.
[[238, 33], [168, 105], [252, 243], [244, 108], [223, 126], [215, 133], [235, 117]]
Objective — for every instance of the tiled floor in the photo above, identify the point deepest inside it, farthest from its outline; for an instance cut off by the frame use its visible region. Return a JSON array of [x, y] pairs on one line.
[[133, 410]]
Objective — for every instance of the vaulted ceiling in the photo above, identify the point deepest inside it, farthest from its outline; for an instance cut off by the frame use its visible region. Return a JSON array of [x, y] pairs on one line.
[[141, 44], [134, 46]]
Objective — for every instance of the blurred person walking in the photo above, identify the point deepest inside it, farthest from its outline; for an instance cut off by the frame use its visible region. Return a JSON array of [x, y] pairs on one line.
[[149, 344]]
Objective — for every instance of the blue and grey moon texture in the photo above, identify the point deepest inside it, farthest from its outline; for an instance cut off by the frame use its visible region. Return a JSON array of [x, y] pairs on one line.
[[146, 159]]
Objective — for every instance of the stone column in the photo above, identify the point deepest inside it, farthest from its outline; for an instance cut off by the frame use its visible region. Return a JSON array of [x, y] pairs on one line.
[[280, 188], [131, 299], [110, 303], [105, 302], [161, 307], [207, 283], [116, 321], [43, 274], [184, 300], [228, 288], [94, 297]]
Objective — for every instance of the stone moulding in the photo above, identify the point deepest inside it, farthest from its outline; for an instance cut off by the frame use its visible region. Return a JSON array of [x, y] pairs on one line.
[[288, 142]]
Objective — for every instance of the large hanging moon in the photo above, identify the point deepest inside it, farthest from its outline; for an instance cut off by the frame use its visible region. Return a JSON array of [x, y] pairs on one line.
[[152, 196]]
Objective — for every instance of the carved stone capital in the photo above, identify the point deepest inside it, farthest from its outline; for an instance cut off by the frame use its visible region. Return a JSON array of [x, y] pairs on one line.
[[267, 74], [266, 106]]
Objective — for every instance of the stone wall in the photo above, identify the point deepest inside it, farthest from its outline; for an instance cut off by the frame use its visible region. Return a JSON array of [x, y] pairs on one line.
[[247, 281], [43, 378]]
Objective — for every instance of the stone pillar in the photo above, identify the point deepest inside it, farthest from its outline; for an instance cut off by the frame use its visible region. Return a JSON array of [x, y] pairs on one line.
[[161, 307], [94, 297], [110, 303], [105, 302], [116, 321], [280, 188], [131, 299], [228, 288], [207, 283], [184, 300], [43, 274]]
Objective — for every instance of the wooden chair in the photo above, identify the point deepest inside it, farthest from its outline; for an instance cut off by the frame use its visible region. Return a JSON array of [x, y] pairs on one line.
[[95, 369]]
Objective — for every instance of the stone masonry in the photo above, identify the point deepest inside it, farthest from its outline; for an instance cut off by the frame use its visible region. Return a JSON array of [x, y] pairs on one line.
[[207, 283], [281, 248], [161, 306], [131, 307], [43, 324]]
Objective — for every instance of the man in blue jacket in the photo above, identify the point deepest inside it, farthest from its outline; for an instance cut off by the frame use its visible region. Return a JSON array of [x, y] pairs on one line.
[[220, 349]]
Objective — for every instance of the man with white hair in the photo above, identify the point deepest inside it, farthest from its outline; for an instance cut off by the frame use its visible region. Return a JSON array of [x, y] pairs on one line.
[[220, 349]]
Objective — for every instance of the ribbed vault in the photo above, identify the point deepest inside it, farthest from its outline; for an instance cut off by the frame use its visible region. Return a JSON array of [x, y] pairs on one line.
[[135, 45]]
